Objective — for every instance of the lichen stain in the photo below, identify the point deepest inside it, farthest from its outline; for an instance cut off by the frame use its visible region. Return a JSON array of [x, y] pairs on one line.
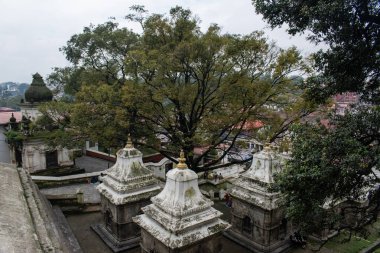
[[216, 228], [189, 193]]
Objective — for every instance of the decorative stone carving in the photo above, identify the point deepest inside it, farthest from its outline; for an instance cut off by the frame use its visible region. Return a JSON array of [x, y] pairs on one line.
[[180, 218]]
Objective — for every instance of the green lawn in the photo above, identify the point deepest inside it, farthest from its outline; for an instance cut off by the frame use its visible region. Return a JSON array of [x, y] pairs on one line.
[[356, 243]]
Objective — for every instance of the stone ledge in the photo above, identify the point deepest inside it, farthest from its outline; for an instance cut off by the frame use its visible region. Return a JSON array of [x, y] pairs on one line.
[[281, 246], [112, 243]]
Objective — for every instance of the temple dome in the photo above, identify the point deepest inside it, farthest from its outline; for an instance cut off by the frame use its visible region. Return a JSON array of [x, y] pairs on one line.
[[38, 92]]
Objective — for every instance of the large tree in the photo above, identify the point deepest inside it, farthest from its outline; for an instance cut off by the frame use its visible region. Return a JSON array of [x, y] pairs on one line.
[[338, 163], [97, 56], [196, 88]]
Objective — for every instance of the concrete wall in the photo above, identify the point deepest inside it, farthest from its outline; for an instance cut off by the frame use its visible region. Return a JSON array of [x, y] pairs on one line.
[[30, 110], [268, 228], [5, 153], [34, 156], [122, 226]]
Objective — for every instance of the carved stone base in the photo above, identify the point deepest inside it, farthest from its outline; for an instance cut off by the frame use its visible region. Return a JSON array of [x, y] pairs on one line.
[[112, 242], [278, 247]]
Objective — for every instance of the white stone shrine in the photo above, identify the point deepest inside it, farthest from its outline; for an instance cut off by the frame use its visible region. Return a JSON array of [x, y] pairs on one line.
[[258, 217], [180, 218], [127, 187]]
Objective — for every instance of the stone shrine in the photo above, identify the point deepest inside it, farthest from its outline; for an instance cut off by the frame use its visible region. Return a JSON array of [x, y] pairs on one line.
[[36, 94], [258, 218], [127, 187], [180, 218], [36, 155]]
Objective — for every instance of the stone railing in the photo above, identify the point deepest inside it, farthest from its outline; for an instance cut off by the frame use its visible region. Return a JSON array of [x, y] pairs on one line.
[[48, 181]]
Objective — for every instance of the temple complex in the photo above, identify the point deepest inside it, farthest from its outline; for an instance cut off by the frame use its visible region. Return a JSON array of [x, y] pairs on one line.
[[36, 155], [180, 218], [258, 218], [126, 188]]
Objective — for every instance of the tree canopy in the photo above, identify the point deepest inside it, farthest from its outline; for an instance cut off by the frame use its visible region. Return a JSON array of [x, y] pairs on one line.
[[351, 29], [330, 166], [195, 88]]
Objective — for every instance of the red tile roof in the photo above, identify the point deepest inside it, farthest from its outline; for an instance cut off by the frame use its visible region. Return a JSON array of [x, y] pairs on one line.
[[250, 125], [5, 116]]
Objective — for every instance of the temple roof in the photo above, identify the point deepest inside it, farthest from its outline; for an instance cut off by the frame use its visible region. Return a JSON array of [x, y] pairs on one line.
[[254, 185], [128, 180], [264, 165], [38, 92], [5, 117]]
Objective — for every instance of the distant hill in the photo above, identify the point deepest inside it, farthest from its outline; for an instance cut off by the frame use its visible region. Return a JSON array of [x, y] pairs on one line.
[[11, 89], [11, 94]]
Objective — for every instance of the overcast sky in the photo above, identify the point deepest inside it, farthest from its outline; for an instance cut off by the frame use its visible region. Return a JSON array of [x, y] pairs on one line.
[[31, 32]]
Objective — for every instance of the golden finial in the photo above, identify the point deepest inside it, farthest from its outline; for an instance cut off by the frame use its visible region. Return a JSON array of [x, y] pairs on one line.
[[182, 161], [267, 146], [129, 142]]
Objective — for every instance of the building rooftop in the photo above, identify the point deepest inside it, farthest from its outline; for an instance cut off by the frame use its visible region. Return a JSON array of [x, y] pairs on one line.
[[6, 115]]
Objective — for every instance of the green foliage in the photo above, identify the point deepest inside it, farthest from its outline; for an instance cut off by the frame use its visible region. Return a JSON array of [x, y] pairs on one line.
[[99, 115], [55, 126], [14, 138], [351, 30], [97, 55], [332, 165], [196, 88]]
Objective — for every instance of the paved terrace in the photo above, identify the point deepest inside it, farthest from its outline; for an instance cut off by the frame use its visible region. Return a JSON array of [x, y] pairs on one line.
[[16, 226], [27, 221]]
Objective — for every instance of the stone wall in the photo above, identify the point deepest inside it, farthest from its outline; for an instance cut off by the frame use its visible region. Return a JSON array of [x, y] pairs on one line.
[[34, 156], [267, 229], [120, 218]]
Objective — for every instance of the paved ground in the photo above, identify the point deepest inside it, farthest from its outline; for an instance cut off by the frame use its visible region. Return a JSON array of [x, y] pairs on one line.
[[91, 243], [221, 206], [16, 227], [88, 240], [91, 164], [90, 194]]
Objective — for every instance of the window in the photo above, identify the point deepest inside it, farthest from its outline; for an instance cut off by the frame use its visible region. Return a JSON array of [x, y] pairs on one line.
[[108, 219], [247, 225]]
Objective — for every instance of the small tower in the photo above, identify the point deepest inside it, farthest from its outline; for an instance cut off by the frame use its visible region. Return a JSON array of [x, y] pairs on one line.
[[36, 94], [258, 218], [180, 219], [36, 155], [127, 187]]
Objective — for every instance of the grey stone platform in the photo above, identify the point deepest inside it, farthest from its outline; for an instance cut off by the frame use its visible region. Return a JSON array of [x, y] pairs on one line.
[[112, 242], [28, 223], [257, 248]]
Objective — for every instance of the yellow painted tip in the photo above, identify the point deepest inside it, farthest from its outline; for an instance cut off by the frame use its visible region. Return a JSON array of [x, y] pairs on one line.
[[182, 161], [129, 142]]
